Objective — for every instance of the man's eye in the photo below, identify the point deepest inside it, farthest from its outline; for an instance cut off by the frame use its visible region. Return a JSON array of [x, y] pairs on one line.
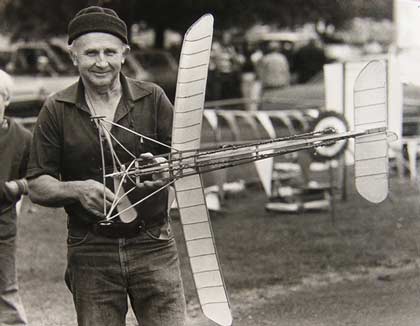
[[110, 52], [91, 53]]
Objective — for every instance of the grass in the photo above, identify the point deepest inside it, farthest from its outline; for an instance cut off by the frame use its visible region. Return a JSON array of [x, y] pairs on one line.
[[257, 249]]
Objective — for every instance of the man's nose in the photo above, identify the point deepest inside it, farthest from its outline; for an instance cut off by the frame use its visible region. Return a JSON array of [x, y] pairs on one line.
[[101, 60]]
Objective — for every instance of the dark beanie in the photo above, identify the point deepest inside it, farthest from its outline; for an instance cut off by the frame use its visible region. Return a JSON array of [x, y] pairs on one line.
[[97, 19]]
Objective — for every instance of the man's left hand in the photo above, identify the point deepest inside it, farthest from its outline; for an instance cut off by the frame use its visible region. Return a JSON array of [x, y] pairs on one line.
[[15, 188], [158, 179]]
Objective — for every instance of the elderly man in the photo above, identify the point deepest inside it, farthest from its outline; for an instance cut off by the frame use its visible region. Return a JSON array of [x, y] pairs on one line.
[[107, 263]]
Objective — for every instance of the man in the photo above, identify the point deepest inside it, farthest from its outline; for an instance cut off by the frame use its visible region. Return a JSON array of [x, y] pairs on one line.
[[225, 67], [309, 60], [14, 152], [273, 73], [107, 263]]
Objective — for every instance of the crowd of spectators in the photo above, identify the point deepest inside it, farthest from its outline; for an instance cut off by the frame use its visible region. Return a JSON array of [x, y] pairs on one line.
[[258, 71]]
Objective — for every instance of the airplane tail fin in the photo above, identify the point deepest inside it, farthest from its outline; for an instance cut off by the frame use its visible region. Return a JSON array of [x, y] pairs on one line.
[[371, 149]]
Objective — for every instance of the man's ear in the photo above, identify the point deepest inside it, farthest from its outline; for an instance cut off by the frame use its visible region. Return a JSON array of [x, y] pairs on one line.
[[126, 51], [73, 58], [73, 55]]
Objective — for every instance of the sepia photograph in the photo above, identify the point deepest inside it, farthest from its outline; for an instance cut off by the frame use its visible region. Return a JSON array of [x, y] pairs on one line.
[[209, 162]]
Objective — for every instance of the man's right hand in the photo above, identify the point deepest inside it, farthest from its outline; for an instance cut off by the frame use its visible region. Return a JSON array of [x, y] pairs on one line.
[[93, 195]]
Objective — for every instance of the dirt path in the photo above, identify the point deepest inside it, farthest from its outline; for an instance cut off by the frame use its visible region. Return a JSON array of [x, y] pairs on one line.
[[388, 301]]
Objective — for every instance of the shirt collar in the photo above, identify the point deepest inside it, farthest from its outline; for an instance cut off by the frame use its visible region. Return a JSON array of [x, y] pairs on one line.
[[74, 94]]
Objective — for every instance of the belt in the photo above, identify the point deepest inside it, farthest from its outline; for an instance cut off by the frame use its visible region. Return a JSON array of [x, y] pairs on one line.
[[119, 229]]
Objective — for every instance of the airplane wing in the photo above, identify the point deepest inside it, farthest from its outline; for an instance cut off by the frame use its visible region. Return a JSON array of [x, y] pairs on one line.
[[186, 135], [371, 150]]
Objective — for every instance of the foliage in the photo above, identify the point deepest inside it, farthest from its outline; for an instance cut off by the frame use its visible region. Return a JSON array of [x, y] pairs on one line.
[[27, 19], [32, 19]]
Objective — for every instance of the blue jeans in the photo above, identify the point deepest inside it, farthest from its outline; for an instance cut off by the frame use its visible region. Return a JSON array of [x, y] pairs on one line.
[[102, 272], [11, 308]]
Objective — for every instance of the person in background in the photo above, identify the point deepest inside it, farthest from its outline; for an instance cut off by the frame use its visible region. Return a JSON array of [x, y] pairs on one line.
[[111, 262], [15, 142], [309, 60], [273, 72], [225, 69], [250, 88]]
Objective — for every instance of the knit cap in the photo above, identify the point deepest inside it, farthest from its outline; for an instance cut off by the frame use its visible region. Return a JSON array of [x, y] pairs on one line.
[[97, 19]]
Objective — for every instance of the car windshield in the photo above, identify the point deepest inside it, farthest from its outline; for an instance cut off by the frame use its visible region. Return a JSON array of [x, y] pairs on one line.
[[28, 60]]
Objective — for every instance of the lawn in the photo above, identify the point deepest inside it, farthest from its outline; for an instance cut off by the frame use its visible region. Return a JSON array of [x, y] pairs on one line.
[[257, 249]]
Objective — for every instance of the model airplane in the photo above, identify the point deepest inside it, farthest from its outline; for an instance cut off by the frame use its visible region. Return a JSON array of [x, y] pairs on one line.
[[185, 163]]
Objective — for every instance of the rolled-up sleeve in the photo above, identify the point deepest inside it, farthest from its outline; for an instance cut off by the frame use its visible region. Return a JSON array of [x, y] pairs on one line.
[[45, 152]]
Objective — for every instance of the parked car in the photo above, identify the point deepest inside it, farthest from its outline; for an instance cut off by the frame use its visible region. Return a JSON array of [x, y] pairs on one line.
[[39, 58], [60, 49], [153, 65], [38, 69]]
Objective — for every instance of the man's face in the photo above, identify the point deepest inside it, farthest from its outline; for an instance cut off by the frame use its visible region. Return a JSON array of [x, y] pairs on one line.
[[99, 57]]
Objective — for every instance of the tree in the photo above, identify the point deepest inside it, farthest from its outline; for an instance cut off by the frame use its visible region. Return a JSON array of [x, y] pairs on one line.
[[35, 19], [28, 19], [178, 15]]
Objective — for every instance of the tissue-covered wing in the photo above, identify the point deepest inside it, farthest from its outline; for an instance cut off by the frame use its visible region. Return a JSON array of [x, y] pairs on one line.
[[186, 134]]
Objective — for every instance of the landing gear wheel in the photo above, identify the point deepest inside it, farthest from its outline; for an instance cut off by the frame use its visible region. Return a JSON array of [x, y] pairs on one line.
[[330, 119]]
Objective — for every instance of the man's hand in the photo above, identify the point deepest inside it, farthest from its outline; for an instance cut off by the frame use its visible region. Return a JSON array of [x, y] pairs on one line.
[[92, 194], [15, 188], [159, 179]]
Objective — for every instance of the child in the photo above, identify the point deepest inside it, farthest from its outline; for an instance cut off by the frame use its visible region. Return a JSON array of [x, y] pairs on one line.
[[14, 152]]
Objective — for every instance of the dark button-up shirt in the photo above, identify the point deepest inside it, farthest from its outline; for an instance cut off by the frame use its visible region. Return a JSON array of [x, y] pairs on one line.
[[66, 142]]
